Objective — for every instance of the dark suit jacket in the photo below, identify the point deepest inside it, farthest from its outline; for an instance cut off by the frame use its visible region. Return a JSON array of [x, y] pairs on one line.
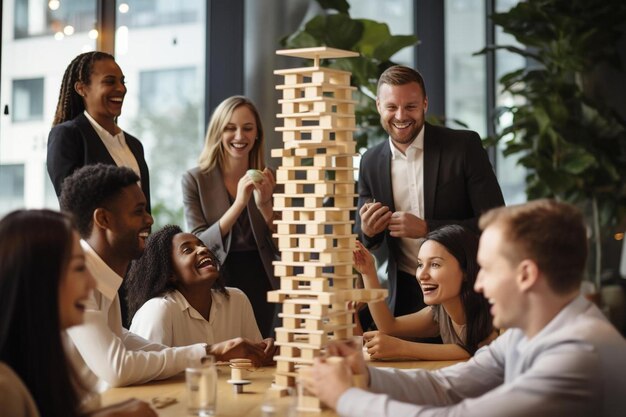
[[205, 199], [75, 143], [459, 185]]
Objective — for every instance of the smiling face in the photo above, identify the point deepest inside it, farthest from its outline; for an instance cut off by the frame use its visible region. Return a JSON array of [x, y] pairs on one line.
[[497, 279], [438, 273], [239, 135], [402, 111], [74, 287], [193, 262], [104, 95], [130, 223]]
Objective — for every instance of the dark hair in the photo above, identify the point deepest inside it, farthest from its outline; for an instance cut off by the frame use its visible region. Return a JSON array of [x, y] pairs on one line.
[[92, 187], [35, 249], [153, 275], [551, 233], [70, 103], [401, 75], [462, 243]]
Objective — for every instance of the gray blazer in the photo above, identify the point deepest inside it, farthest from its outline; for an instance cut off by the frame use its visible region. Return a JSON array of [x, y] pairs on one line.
[[205, 200]]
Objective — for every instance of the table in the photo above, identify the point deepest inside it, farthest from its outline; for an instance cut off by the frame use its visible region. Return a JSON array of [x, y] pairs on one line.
[[229, 403]]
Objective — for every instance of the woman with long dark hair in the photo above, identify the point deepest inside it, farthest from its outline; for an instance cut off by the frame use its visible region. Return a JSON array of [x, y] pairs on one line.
[[44, 284], [446, 272]]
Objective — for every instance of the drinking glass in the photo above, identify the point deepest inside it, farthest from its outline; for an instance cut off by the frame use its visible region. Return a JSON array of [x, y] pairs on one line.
[[202, 388]]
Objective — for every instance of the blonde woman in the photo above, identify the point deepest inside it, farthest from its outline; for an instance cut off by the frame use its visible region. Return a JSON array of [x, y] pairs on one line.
[[231, 209]]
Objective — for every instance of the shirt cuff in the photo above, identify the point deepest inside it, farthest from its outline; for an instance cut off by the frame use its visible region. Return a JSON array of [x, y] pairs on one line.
[[348, 400]]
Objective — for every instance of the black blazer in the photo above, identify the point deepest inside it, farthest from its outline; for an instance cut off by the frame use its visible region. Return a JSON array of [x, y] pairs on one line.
[[459, 185], [75, 143]]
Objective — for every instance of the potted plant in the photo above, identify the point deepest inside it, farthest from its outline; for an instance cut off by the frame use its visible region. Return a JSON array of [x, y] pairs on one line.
[[572, 141]]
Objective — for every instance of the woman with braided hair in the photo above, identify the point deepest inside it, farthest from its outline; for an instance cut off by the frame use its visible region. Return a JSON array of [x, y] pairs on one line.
[[85, 130]]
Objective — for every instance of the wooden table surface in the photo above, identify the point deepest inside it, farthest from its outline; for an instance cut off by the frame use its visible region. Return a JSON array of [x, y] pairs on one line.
[[229, 403]]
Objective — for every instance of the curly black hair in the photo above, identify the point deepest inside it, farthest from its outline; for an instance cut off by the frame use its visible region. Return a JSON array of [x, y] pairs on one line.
[[153, 274], [92, 187]]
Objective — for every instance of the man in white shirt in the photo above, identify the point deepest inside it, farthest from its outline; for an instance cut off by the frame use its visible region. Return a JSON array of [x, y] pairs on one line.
[[110, 213], [560, 355]]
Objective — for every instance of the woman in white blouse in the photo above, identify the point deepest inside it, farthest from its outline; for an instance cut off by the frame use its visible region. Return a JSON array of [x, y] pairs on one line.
[[177, 297]]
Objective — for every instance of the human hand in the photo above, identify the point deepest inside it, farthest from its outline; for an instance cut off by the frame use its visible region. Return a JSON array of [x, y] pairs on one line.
[[264, 189], [270, 350], [382, 346], [129, 408], [403, 224], [374, 218], [245, 186], [239, 348], [364, 262], [328, 380], [352, 354]]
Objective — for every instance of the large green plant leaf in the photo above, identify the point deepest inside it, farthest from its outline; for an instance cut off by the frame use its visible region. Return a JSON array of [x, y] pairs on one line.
[[392, 45], [374, 33], [341, 6]]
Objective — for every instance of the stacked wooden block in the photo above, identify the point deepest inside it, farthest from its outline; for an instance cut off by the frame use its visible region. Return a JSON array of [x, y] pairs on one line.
[[315, 232]]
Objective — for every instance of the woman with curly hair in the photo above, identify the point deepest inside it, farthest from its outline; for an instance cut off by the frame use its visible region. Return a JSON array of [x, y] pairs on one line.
[[177, 297], [446, 272]]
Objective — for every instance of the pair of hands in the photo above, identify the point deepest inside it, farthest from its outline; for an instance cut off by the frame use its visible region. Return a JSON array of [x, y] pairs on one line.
[[262, 189], [261, 353], [376, 218], [328, 380]]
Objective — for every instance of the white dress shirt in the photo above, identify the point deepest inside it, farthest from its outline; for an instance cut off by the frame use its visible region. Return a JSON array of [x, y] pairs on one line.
[[104, 353], [407, 182], [172, 321], [116, 145], [575, 366]]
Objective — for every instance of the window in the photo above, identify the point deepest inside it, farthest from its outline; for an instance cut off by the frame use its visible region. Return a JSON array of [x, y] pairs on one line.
[[43, 17], [510, 175], [465, 78], [160, 48], [11, 188], [27, 100]]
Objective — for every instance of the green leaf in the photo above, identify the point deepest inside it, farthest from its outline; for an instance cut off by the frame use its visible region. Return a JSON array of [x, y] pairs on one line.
[[342, 6], [302, 40], [392, 45], [374, 33], [578, 162], [342, 32]]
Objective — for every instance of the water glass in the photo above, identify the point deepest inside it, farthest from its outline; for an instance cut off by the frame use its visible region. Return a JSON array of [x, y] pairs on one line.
[[202, 388]]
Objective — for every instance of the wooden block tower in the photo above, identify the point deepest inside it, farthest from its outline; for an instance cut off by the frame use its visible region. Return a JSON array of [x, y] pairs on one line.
[[315, 233]]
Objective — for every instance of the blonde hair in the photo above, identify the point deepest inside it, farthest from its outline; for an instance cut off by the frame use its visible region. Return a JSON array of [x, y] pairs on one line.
[[212, 154]]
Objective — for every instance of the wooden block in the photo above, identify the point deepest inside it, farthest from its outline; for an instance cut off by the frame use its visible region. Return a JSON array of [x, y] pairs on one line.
[[285, 381]]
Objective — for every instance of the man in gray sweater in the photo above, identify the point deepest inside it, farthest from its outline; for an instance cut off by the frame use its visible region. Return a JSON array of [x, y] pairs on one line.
[[560, 355]]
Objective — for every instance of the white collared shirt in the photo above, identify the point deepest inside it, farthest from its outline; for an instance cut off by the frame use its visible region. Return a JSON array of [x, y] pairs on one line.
[[407, 182], [116, 145], [104, 353], [172, 321]]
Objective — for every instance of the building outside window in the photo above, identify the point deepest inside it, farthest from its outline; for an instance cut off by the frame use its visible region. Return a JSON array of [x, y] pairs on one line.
[[27, 100], [11, 187]]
